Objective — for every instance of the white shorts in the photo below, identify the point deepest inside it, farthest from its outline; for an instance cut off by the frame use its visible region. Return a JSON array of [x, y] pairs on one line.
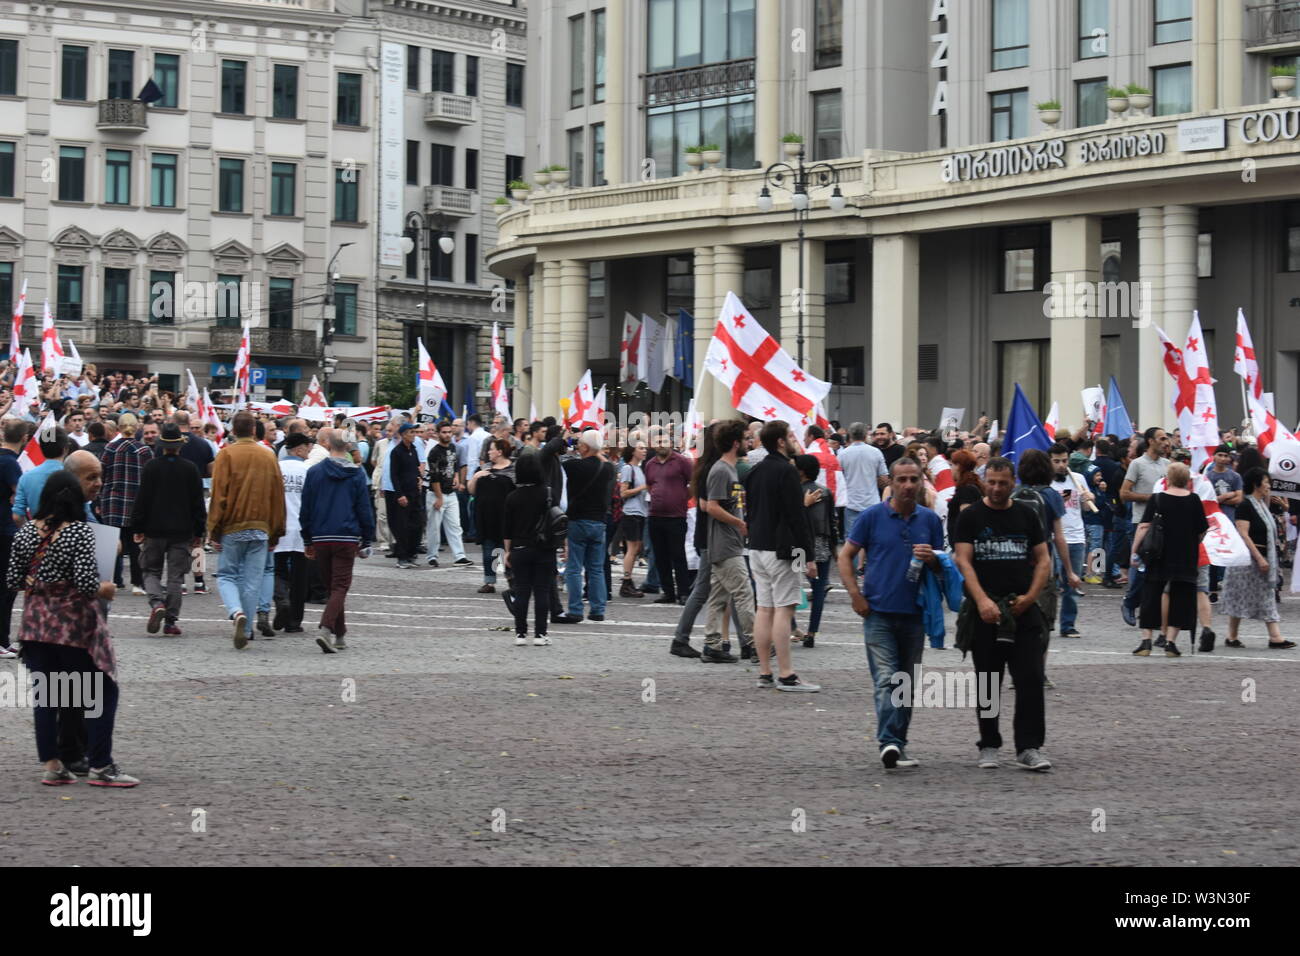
[[775, 580]]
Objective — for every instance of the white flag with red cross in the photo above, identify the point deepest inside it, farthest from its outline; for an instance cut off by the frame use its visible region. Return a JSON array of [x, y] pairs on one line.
[[315, 395], [763, 378], [243, 366], [192, 399], [1265, 425], [1201, 433], [1052, 420], [1244, 362], [831, 474], [25, 391], [16, 329], [1222, 544], [693, 428], [51, 347], [582, 404], [432, 389], [815, 417], [210, 416], [500, 400], [629, 351], [31, 455], [945, 483], [598, 409]]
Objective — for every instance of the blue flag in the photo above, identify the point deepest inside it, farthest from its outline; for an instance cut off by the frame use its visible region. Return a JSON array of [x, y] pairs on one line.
[[469, 395], [447, 409], [1117, 421], [1023, 429], [684, 349]]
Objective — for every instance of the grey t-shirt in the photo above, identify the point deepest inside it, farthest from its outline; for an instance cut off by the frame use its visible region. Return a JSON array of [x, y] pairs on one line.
[[1144, 473], [634, 477], [725, 488]]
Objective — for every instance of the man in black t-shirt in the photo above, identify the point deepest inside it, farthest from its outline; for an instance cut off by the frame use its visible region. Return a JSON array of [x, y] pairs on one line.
[[1002, 553]]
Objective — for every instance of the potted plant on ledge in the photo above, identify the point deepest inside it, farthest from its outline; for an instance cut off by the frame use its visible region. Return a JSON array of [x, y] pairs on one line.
[[1116, 100], [712, 154], [1139, 97], [1049, 111], [559, 174], [1282, 77], [542, 176], [519, 190], [792, 143], [693, 157]]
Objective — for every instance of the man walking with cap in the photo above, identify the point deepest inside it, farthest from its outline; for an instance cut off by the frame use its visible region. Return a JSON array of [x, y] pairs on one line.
[[403, 501]]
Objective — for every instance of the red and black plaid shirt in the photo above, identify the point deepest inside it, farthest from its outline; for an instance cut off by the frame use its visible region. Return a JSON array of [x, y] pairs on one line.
[[122, 462]]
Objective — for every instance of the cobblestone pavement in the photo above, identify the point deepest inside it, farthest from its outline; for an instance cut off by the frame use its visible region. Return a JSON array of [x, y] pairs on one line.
[[453, 728]]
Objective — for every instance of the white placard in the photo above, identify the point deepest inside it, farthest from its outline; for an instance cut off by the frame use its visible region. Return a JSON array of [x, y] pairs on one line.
[[1198, 134], [70, 367], [392, 92], [950, 420], [107, 539]]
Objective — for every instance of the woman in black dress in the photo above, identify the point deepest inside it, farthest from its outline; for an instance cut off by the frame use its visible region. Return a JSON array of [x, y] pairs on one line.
[[1173, 571], [531, 562]]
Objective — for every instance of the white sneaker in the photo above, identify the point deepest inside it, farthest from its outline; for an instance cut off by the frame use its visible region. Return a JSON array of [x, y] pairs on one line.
[[541, 641], [7, 652], [138, 591], [521, 640], [796, 686]]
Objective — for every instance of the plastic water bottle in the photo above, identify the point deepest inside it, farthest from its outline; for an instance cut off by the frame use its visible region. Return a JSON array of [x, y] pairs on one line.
[[914, 569]]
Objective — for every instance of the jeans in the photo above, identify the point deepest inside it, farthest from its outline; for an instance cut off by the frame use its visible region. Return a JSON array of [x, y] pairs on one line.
[[239, 576], [669, 538], [489, 567], [1133, 596], [1069, 600], [445, 518], [894, 643], [1025, 657], [336, 559], [1095, 536], [46, 659], [699, 597], [290, 586], [176, 552], [266, 599], [533, 570], [648, 552], [586, 552]]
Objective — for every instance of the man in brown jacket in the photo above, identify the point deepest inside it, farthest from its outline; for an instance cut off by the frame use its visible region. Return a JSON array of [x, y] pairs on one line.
[[245, 520]]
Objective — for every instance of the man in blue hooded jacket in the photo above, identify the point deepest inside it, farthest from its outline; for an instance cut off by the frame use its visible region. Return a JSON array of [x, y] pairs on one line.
[[337, 525]]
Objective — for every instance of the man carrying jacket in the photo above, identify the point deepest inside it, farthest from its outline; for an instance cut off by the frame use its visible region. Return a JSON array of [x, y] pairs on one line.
[[337, 525], [167, 520]]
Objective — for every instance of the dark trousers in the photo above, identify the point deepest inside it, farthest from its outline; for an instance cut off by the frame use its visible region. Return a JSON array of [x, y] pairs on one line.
[[1182, 603], [534, 574], [336, 559], [668, 536], [1024, 656], [6, 596], [53, 723], [175, 553], [131, 553], [404, 524], [290, 586]]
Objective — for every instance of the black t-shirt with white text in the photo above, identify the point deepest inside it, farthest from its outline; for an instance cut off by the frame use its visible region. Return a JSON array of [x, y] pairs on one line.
[[1003, 543]]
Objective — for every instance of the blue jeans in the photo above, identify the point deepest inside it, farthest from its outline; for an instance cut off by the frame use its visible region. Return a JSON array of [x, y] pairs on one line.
[[489, 571], [895, 643], [240, 572], [1095, 535], [586, 553], [1133, 596], [817, 597], [648, 552], [1069, 601], [267, 595]]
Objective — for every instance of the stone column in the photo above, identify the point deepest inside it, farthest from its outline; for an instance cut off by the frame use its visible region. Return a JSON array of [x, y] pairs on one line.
[[1205, 55], [895, 324], [1148, 400], [1075, 326], [615, 92], [706, 317], [1180, 289], [812, 299], [1231, 50], [522, 395], [767, 82], [572, 338], [548, 333], [728, 276]]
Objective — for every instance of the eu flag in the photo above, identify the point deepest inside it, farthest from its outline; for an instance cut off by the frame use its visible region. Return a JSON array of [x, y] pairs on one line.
[[1117, 421], [684, 349], [1023, 429]]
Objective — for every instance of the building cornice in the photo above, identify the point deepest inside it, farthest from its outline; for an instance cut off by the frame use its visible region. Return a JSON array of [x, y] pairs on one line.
[[212, 12], [451, 11]]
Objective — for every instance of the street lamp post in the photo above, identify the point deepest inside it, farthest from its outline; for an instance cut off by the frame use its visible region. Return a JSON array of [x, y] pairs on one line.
[[426, 222], [327, 362], [798, 180]]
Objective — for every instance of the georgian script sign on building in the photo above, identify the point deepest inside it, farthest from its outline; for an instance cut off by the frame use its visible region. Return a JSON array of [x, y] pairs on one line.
[[1050, 154]]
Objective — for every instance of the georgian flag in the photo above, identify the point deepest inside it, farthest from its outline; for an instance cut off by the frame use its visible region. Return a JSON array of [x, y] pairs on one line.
[[243, 365], [831, 474], [320, 413], [432, 389], [599, 410], [816, 417], [26, 393], [1244, 362], [51, 347], [31, 455], [500, 402], [15, 350], [763, 379], [192, 399], [629, 372], [315, 397], [210, 415], [1199, 426], [693, 428], [945, 485], [1266, 426], [582, 402], [1051, 421], [1222, 545]]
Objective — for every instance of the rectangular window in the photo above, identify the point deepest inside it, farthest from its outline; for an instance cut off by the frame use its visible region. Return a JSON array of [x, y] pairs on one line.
[[1010, 34], [162, 180], [598, 56], [162, 298], [442, 159], [471, 76], [117, 294], [471, 258], [471, 169], [347, 186], [828, 27], [577, 64], [7, 151], [234, 86], [1291, 249], [412, 162], [1027, 364], [121, 74], [514, 169], [345, 308], [444, 71], [68, 298], [441, 267], [230, 186], [1024, 259], [348, 100], [413, 68], [9, 68], [117, 177], [839, 280], [1010, 114], [284, 188], [284, 93], [73, 85], [1173, 20], [72, 173], [6, 286], [280, 314], [598, 154], [1094, 28], [845, 367], [413, 261], [1205, 255], [1090, 102], [740, 30], [827, 129], [679, 284], [575, 137], [227, 295], [758, 287], [1172, 89], [167, 77], [514, 84]]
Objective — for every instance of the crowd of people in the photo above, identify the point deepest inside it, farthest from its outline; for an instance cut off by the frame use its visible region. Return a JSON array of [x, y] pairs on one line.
[[744, 523]]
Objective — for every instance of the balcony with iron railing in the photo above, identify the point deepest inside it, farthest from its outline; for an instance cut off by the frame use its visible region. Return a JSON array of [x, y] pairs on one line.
[[729, 78], [119, 334], [1274, 24], [450, 109], [123, 116], [290, 343]]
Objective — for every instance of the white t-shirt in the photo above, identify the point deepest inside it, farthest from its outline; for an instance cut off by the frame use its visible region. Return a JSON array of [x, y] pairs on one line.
[[82, 440], [294, 472], [1072, 522]]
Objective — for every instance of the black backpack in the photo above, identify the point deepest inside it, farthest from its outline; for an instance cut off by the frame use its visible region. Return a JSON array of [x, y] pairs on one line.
[[552, 527]]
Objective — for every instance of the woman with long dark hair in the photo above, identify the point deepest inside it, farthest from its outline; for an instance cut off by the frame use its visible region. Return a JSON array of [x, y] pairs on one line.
[[64, 632], [1249, 591], [490, 487], [531, 562]]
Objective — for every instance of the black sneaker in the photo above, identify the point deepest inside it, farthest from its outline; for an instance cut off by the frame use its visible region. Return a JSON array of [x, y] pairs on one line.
[[1129, 615], [1160, 641], [277, 622], [156, 616], [595, 617], [646, 589], [1207, 640], [712, 656], [1071, 632], [1171, 650], [766, 681], [264, 625], [664, 599], [809, 639], [683, 649], [78, 767], [567, 619], [748, 652], [889, 755], [1143, 649], [463, 563]]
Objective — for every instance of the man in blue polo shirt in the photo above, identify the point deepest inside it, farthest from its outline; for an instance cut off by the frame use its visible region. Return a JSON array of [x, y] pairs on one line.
[[893, 535]]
